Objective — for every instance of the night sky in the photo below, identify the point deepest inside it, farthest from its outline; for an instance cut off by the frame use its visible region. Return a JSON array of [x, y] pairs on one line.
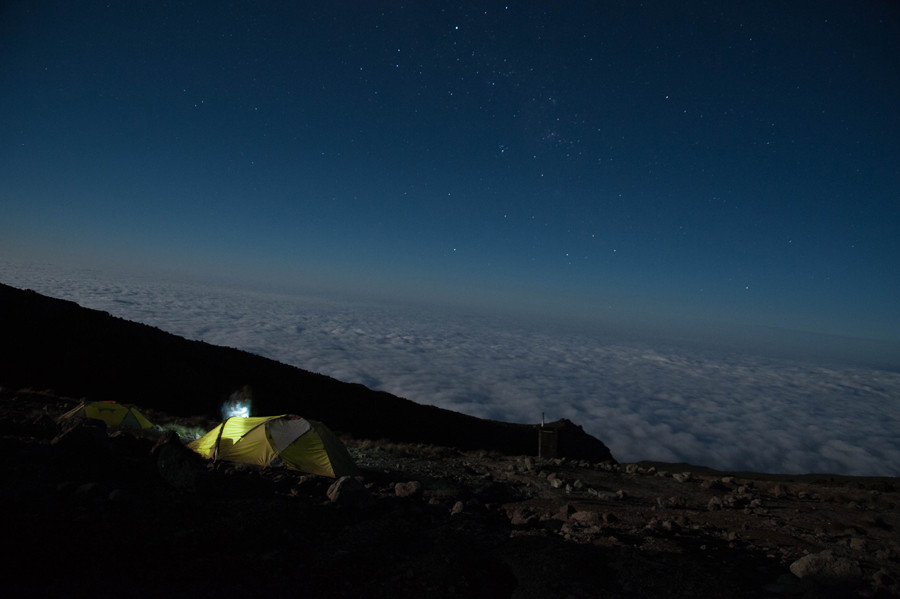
[[652, 162]]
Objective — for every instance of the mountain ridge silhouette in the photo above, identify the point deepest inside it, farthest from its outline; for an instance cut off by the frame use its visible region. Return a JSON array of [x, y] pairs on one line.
[[57, 344]]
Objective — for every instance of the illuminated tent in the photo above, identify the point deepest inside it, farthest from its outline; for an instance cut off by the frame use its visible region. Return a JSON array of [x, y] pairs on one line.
[[304, 445], [112, 413]]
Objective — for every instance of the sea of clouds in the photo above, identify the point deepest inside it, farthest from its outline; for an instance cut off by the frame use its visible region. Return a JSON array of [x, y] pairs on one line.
[[645, 400]]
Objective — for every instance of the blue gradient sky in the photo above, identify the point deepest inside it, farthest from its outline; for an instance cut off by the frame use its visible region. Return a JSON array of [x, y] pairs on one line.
[[727, 163]]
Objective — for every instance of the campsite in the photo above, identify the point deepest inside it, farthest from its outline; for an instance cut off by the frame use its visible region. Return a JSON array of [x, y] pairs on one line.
[[97, 508]]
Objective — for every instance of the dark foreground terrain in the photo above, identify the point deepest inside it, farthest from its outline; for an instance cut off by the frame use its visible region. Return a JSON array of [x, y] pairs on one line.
[[447, 505], [98, 513]]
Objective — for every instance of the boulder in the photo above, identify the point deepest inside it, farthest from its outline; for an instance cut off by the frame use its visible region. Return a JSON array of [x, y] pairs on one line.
[[826, 567], [178, 465]]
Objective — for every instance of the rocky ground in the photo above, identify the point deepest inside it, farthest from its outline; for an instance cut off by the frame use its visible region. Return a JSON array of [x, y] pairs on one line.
[[94, 512]]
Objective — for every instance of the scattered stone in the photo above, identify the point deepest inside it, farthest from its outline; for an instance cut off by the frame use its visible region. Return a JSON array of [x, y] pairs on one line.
[[178, 465], [408, 489], [676, 501], [826, 567], [119, 497], [731, 500], [348, 492], [520, 515], [587, 518], [90, 493], [709, 483], [458, 508], [682, 477]]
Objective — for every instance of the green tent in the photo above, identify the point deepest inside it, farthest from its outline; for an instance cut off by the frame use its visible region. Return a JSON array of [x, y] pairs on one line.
[[112, 413], [304, 445]]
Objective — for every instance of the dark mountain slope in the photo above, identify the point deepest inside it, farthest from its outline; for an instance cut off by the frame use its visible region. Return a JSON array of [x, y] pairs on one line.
[[47, 343]]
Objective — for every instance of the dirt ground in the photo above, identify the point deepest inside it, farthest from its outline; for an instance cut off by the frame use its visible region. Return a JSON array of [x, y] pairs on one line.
[[103, 513]]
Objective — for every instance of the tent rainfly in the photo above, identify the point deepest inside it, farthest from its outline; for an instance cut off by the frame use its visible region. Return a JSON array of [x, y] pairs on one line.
[[112, 413], [304, 445]]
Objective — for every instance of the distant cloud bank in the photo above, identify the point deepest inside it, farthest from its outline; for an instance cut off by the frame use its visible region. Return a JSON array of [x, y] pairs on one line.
[[645, 401]]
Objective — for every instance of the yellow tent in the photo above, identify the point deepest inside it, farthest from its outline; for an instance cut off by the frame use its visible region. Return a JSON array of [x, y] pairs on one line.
[[112, 413], [305, 445]]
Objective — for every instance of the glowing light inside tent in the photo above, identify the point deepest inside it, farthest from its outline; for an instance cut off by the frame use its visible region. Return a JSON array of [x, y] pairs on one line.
[[238, 403], [236, 408], [240, 410]]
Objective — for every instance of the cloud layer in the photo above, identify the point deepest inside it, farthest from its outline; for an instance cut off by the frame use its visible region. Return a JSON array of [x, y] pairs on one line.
[[646, 401]]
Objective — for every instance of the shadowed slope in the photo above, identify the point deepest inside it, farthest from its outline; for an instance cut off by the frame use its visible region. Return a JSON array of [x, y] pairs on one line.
[[56, 344]]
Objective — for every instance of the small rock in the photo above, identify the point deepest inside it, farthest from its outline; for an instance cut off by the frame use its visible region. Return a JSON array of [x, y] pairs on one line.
[[586, 518], [408, 489], [457, 508], [682, 477], [518, 515], [676, 501], [90, 493], [349, 492], [119, 497]]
